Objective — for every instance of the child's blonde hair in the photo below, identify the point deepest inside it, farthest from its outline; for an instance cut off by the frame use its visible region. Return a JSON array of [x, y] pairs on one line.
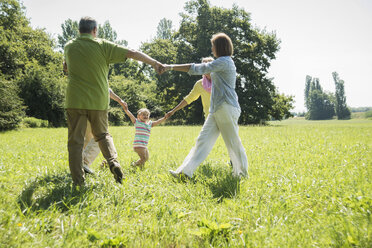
[[140, 111], [207, 59]]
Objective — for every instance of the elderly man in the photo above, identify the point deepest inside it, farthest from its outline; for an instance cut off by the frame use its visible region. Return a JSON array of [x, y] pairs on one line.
[[87, 96]]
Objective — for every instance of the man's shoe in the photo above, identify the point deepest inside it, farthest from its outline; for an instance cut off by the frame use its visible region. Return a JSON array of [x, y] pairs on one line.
[[118, 174], [87, 170]]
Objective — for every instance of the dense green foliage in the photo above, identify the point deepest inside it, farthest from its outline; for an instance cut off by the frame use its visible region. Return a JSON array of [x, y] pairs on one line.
[[43, 90], [34, 122], [319, 104], [12, 109], [70, 30], [27, 57], [368, 114], [341, 109], [137, 95], [308, 186], [322, 105]]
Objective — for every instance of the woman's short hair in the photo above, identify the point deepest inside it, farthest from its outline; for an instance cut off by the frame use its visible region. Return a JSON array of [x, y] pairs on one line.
[[87, 24], [222, 44]]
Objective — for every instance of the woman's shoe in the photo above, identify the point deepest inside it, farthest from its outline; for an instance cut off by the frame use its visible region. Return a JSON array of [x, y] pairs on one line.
[[179, 175]]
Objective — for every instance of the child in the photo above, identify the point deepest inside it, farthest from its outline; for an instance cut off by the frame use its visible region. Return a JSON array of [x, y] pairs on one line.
[[143, 126]]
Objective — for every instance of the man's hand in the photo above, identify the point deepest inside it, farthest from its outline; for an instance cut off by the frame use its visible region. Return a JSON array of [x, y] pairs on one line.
[[124, 105]]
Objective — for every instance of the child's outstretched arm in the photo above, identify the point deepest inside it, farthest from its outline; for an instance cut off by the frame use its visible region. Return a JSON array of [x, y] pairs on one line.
[[126, 110], [157, 122], [114, 97], [182, 104]]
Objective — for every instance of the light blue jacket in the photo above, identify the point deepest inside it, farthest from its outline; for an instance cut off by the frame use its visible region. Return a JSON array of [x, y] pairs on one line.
[[223, 74]]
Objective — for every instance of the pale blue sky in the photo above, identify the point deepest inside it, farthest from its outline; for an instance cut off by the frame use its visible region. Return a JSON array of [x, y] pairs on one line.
[[318, 36]]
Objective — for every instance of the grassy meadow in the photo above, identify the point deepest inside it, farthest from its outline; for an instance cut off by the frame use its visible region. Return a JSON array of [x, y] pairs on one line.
[[309, 185]]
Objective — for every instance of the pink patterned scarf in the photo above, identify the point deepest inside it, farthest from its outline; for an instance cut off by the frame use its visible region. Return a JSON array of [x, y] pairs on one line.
[[207, 84]]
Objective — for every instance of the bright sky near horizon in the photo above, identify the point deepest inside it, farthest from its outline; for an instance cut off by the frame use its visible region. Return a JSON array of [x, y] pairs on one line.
[[317, 37]]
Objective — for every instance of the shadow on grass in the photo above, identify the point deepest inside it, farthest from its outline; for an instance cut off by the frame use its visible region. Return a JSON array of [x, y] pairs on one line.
[[220, 181], [51, 191]]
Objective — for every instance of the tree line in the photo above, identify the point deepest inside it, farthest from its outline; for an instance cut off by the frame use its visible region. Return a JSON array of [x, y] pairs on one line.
[[32, 82], [323, 105]]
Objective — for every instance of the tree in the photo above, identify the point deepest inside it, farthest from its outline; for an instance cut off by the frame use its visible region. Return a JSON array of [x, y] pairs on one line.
[[318, 103], [282, 106], [12, 15], [164, 29], [137, 95], [28, 59], [307, 91], [70, 30], [342, 111], [106, 32], [165, 51], [17, 40], [11, 52], [254, 50], [20, 44]]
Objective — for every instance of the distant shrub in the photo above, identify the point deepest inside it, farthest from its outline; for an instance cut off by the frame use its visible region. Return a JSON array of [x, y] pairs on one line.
[[43, 92], [11, 106], [358, 115], [137, 95], [116, 117], [368, 114], [34, 122]]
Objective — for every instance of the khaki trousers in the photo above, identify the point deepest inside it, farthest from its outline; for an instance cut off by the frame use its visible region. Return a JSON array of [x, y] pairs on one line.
[[77, 124]]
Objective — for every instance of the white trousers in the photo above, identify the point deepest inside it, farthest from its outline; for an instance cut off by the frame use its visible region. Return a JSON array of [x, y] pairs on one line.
[[91, 148], [224, 121], [90, 152]]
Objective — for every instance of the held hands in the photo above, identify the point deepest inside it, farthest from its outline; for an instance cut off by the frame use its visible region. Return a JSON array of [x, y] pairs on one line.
[[168, 68], [169, 114], [161, 68]]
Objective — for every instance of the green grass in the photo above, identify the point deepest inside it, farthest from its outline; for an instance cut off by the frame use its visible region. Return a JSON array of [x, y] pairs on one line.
[[309, 185]]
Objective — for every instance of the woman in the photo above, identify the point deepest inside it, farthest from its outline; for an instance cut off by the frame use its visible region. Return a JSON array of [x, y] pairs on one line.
[[224, 110], [202, 88]]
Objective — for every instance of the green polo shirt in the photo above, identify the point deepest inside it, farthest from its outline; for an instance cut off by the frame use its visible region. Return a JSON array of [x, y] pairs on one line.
[[88, 60]]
